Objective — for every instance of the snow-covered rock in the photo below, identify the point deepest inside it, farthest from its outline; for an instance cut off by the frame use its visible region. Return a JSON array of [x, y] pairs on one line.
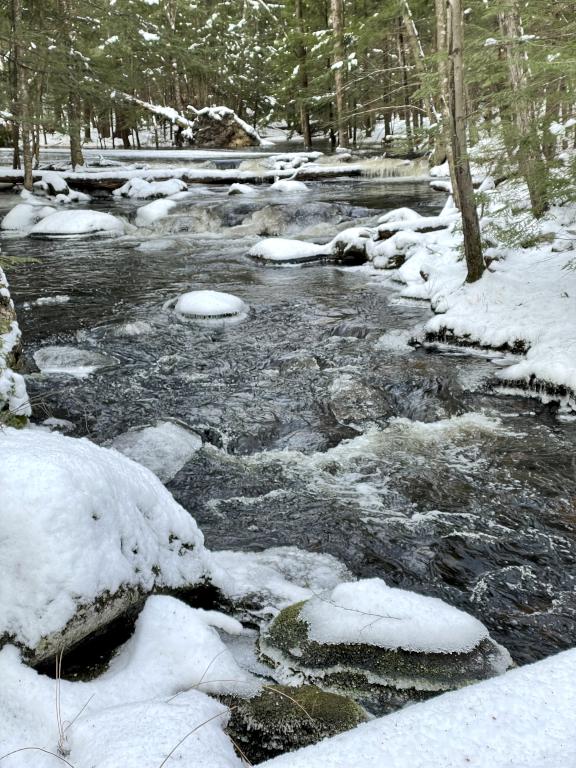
[[148, 214], [24, 216], [222, 127], [164, 448], [210, 304], [144, 190], [140, 709], [70, 361], [288, 187], [76, 223], [385, 646], [523, 719], [242, 189], [281, 250], [84, 534]]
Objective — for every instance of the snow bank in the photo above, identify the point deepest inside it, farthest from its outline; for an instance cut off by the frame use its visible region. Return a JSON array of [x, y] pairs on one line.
[[210, 304], [523, 719], [80, 522], [164, 448], [75, 223], [152, 695], [372, 613], [142, 189], [148, 214]]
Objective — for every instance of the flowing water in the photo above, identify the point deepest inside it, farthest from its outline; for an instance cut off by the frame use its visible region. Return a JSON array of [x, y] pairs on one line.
[[321, 427]]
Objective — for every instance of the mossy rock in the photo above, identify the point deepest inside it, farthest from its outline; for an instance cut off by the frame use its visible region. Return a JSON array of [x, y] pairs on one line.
[[388, 678], [282, 719]]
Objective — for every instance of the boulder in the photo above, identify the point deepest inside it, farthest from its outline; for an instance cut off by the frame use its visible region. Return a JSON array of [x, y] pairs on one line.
[[221, 128], [385, 647]]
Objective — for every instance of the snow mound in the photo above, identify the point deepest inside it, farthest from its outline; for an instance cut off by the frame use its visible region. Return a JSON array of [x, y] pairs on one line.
[[141, 189], [522, 719], [70, 361], [80, 522], [288, 186], [242, 189], [279, 249], [76, 224], [24, 216], [371, 613], [164, 449], [148, 214], [210, 304]]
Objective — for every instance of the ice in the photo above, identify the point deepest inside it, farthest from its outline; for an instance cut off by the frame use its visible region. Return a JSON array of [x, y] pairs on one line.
[[24, 216], [142, 189], [70, 361], [280, 249], [371, 612], [164, 448], [288, 187], [210, 304], [522, 719], [79, 521], [153, 694], [48, 301], [75, 223], [148, 214]]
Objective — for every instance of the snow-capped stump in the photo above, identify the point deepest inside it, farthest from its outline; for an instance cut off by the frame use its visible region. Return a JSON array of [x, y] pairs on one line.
[[78, 224], [164, 448], [85, 534], [210, 305], [283, 718], [24, 216], [382, 645], [288, 187], [221, 128], [140, 189], [71, 361], [279, 250]]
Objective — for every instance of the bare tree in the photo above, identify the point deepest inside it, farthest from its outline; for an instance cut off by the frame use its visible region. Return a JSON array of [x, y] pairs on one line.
[[338, 65]]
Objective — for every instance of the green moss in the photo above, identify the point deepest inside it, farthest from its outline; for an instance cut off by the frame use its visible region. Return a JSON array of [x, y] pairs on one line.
[[9, 419], [282, 718]]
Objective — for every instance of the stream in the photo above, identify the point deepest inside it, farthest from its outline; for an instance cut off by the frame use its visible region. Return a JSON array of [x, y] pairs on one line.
[[321, 427]]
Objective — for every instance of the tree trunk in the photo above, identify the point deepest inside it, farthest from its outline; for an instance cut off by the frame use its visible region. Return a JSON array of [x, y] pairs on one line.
[[21, 105], [339, 64], [458, 121], [303, 76], [442, 48]]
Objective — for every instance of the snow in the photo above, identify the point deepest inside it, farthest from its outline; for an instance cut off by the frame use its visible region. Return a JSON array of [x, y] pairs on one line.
[[24, 216], [70, 361], [164, 448], [242, 189], [210, 304], [79, 521], [522, 719], [288, 187], [152, 695], [141, 189], [370, 612], [280, 249], [13, 395], [77, 223], [148, 214]]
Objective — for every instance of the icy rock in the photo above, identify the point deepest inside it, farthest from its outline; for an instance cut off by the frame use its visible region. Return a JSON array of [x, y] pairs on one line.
[[85, 533], [77, 223], [24, 216], [354, 402], [242, 189], [14, 403], [382, 645], [148, 214], [164, 448], [352, 246], [291, 218], [70, 361], [282, 719], [141, 189], [282, 251], [288, 187], [210, 304]]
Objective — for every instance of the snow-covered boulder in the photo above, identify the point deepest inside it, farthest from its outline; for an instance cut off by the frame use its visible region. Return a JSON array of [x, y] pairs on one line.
[[210, 305], [383, 645], [152, 212], [164, 448], [75, 223], [222, 128], [141, 189], [14, 403], [288, 187], [242, 189], [85, 533], [24, 216], [278, 250]]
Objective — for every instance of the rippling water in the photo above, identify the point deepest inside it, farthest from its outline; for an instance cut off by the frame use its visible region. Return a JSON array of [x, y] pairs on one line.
[[321, 427]]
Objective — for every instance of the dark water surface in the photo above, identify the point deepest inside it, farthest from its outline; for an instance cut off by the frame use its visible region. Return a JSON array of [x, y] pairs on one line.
[[321, 427]]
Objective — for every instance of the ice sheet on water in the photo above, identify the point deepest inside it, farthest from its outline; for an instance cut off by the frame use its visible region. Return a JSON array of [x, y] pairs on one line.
[[70, 361], [164, 448]]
